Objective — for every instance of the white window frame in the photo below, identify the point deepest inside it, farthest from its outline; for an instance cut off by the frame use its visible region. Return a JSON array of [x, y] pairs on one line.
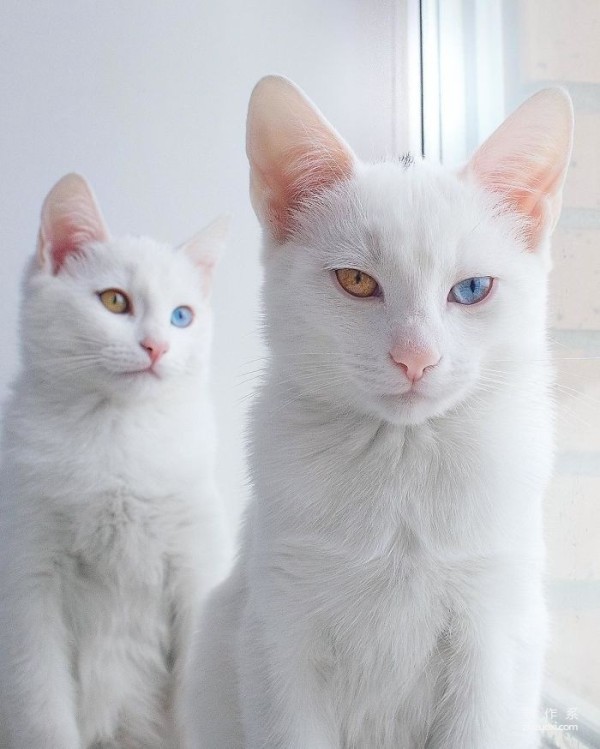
[[445, 72]]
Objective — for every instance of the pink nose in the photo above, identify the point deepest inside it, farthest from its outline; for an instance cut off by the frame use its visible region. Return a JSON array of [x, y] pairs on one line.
[[154, 348], [413, 361]]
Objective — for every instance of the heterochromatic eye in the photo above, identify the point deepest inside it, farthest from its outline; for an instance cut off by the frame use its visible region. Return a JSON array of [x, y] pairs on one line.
[[471, 290], [356, 282], [181, 317], [115, 301]]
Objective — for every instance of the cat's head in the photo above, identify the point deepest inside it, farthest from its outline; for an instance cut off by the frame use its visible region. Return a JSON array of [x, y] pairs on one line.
[[121, 317], [399, 288]]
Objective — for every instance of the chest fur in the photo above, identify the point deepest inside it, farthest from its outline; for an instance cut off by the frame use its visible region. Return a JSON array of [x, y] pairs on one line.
[[376, 538], [120, 534]]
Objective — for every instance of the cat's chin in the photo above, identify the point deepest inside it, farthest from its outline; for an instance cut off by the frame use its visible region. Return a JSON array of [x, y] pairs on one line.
[[143, 382], [137, 385], [141, 374], [133, 386], [414, 408]]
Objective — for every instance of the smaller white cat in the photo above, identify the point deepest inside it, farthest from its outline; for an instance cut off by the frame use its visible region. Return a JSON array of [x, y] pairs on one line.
[[111, 532]]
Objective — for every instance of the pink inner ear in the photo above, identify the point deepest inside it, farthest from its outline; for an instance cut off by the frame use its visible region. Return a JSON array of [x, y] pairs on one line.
[[204, 248], [294, 153], [68, 239], [525, 160], [281, 190], [71, 219], [540, 204], [533, 190]]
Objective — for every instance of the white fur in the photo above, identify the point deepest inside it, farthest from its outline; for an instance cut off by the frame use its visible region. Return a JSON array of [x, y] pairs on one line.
[[388, 591], [111, 531]]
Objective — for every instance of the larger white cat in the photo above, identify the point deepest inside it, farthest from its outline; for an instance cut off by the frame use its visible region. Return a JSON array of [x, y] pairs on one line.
[[388, 592], [110, 529]]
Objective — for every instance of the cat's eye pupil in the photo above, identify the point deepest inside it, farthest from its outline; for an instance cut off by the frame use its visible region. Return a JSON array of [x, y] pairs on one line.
[[357, 283], [182, 316], [115, 301], [471, 290]]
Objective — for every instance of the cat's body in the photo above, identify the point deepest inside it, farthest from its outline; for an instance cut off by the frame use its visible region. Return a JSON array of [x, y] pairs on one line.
[[111, 530], [379, 595], [115, 540], [388, 591]]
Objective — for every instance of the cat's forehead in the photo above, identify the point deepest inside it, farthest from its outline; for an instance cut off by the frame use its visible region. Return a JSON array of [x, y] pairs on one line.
[[418, 201], [406, 218], [142, 264]]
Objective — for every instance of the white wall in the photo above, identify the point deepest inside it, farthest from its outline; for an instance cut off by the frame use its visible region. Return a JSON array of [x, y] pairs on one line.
[[147, 99]]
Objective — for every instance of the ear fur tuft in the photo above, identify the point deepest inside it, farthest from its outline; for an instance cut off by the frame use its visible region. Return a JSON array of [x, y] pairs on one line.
[[294, 153], [205, 247], [70, 219], [525, 160]]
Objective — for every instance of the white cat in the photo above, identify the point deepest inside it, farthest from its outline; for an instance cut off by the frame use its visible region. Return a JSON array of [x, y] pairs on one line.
[[388, 593], [110, 529]]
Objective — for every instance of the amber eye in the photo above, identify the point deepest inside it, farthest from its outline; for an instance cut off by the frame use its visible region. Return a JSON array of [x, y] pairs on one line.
[[356, 282], [115, 301]]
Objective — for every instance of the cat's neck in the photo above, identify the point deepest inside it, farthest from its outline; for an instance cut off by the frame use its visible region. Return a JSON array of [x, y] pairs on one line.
[[338, 468], [37, 394]]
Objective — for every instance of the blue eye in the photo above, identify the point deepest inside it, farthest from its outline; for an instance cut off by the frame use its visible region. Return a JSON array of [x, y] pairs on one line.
[[181, 317], [471, 290]]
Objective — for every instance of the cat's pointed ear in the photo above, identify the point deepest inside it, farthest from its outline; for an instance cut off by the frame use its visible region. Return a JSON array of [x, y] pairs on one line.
[[204, 248], [525, 160], [70, 219], [293, 151]]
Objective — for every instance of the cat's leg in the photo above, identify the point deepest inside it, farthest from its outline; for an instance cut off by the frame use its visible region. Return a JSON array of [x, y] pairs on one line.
[[481, 704], [529, 668], [283, 702], [211, 710], [185, 596], [146, 725], [37, 692], [472, 700], [198, 562]]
